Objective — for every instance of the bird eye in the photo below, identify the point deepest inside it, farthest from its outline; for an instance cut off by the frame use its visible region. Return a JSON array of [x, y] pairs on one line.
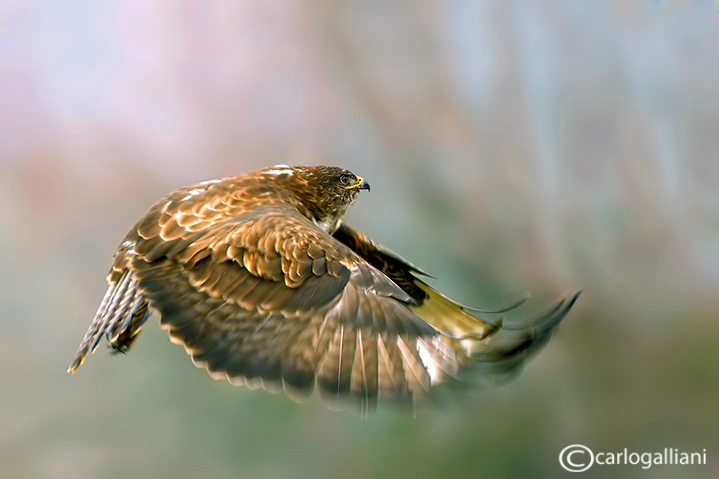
[[345, 179]]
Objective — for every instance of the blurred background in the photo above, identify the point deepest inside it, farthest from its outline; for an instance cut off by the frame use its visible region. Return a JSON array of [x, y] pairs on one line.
[[511, 147]]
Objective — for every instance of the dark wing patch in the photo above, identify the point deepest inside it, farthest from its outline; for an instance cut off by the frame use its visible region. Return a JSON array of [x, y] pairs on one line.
[[396, 268]]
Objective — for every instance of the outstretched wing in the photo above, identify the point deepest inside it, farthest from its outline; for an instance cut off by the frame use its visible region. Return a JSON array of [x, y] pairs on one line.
[[270, 299], [479, 349]]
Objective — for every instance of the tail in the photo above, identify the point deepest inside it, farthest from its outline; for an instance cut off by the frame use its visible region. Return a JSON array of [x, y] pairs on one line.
[[120, 317]]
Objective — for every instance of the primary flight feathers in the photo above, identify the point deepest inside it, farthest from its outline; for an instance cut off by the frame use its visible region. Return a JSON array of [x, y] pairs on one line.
[[261, 282]]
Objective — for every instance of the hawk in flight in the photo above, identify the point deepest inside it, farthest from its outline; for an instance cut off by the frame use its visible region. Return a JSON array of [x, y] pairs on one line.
[[257, 277]]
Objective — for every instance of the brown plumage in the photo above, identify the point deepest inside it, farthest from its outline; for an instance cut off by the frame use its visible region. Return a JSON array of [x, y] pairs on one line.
[[256, 276]]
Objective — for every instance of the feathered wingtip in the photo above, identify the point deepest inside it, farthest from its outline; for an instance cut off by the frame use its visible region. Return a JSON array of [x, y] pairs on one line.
[[486, 351], [502, 354], [551, 318]]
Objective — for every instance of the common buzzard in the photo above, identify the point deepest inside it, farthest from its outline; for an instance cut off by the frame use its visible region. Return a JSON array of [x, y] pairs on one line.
[[257, 277]]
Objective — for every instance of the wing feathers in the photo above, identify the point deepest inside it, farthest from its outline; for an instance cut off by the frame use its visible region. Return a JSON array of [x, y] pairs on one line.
[[415, 373], [365, 371], [392, 377]]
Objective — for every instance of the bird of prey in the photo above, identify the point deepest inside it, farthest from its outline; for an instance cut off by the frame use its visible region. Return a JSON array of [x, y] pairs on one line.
[[261, 282]]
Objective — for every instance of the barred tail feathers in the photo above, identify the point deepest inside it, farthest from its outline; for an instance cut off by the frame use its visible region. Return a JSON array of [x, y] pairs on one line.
[[121, 315]]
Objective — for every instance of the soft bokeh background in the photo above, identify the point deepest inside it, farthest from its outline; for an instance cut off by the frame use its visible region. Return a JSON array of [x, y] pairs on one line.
[[511, 146]]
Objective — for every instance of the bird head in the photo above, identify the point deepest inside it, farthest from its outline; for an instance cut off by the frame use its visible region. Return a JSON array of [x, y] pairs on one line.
[[325, 191]]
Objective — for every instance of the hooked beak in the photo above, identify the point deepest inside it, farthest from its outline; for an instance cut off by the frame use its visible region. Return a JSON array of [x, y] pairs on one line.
[[361, 184]]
